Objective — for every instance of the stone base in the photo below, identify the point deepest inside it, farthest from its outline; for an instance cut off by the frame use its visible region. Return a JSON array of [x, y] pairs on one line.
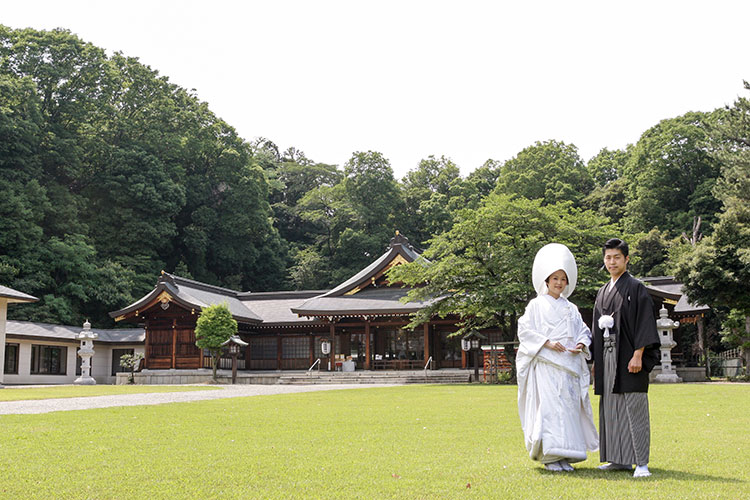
[[668, 378], [84, 381], [199, 376], [687, 374]]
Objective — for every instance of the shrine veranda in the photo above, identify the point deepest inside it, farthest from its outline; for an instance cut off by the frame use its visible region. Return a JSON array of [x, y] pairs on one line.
[[395, 442]]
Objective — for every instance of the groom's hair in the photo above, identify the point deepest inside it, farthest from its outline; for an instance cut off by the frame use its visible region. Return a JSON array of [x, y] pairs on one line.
[[617, 244]]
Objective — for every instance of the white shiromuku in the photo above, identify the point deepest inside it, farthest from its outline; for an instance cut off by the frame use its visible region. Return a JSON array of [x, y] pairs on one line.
[[553, 396]]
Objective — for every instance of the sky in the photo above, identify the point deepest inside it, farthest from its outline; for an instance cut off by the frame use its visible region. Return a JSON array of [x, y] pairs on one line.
[[468, 80]]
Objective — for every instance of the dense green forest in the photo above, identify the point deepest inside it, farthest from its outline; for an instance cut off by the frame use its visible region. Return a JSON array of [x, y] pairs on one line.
[[109, 173]]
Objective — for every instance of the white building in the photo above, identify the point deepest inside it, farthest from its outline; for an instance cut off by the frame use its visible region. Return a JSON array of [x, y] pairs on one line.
[[40, 353]]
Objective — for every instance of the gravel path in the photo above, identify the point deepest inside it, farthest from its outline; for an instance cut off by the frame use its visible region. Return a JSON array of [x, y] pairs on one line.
[[236, 391]]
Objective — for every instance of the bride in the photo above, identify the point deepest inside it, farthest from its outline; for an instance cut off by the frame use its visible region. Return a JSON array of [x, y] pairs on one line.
[[553, 379]]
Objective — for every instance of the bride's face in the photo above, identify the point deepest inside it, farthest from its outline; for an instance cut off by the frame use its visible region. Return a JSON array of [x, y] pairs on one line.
[[556, 283]]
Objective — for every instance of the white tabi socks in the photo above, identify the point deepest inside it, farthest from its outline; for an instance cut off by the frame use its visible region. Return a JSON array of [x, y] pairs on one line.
[[641, 471], [565, 465]]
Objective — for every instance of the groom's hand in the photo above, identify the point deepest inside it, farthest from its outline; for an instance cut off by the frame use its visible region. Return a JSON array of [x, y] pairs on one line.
[[636, 364]]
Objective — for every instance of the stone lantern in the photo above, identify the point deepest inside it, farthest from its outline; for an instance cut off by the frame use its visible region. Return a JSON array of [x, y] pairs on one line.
[[664, 326], [86, 352]]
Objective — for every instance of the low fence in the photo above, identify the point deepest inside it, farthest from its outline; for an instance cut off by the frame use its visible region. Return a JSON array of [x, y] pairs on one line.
[[726, 364]]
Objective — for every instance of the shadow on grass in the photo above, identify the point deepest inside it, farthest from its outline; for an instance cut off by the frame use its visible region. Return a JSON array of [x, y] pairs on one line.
[[656, 474]]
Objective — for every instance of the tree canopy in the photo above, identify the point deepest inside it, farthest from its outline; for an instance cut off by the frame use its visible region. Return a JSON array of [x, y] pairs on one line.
[[110, 173], [717, 270]]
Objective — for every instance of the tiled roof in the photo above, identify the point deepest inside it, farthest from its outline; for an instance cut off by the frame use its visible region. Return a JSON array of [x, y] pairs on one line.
[[669, 285], [374, 301], [398, 246], [15, 295], [276, 307], [193, 294], [64, 332]]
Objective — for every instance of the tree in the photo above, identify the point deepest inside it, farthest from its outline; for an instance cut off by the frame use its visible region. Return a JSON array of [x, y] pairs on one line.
[[110, 173], [293, 180], [550, 171], [354, 217], [427, 192], [608, 197], [607, 166], [215, 326], [650, 253], [481, 268], [717, 271], [371, 190], [131, 361], [670, 174], [480, 183]]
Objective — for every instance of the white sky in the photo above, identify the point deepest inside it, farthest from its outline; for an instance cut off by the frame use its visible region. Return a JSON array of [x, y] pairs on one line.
[[470, 80]]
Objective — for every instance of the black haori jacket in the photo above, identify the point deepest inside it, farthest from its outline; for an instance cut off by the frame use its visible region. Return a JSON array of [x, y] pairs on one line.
[[633, 311]]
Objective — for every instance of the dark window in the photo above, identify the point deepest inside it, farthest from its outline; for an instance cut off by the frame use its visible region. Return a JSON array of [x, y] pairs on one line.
[[11, 359], [295, 348], [263, 348], [404, 344], [116, 355], [48, 360]]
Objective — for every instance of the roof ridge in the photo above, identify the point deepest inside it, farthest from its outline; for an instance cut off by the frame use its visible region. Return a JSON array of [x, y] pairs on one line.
[[94, 328], [279, 294], [179, 280]]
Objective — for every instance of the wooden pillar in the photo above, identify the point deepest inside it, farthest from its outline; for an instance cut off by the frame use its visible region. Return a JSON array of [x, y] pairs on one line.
[[463, 359], [368, 354], [278, 351], [332, 355], [312, 348], [146, 347], [174, 343], [426, 342]]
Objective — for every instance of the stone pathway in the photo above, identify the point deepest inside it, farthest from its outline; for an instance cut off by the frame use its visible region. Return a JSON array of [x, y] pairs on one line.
[[223, 392]]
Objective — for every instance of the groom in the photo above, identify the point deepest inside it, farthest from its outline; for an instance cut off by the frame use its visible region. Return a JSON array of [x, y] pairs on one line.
[[625, 349]]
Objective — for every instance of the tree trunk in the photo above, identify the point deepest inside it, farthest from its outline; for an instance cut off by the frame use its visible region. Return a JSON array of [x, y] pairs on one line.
[[215, 362], [746, 342]]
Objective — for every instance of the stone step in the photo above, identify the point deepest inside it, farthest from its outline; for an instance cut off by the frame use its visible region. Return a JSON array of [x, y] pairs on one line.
[[366, 378]]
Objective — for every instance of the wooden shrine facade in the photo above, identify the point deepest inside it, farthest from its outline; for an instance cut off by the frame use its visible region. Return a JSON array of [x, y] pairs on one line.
[[364, 319]]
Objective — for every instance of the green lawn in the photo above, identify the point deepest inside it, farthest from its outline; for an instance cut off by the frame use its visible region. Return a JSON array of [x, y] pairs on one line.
[[414, 442], [78, 391]]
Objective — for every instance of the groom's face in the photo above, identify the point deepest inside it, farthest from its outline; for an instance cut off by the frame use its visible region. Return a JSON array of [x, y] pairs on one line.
[[615, 262]]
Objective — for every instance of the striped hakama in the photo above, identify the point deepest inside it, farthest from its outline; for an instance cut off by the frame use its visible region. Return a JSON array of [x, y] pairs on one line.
[[624, 429]]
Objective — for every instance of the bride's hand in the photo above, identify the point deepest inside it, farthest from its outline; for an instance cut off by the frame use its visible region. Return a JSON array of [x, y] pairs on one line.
[[555, 346], [578, 348]]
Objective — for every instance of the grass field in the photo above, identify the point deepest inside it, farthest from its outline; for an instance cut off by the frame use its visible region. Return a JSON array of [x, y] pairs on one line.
[[79, 391], [413, 442]]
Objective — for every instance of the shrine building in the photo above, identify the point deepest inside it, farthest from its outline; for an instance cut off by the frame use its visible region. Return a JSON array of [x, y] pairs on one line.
[[363, 318]]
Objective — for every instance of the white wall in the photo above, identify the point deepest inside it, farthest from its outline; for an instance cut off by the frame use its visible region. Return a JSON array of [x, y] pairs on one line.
[[101, 362]]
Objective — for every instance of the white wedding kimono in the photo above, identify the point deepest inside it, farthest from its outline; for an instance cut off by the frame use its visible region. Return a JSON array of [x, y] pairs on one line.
[[553, 396]]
